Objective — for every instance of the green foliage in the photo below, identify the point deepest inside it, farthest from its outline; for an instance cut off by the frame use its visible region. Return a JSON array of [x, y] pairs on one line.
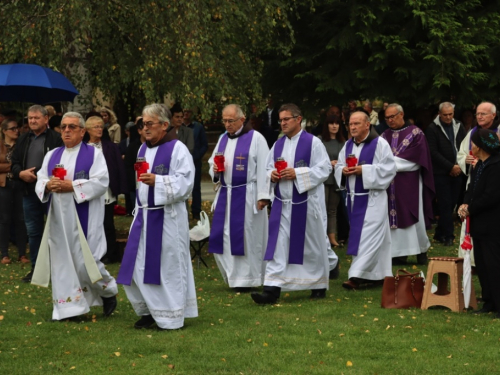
[[415, 52], [201, 52]]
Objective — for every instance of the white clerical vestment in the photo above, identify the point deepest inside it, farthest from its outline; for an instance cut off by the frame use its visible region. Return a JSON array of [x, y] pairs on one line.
[[412, 240], [175, 298], [319, 258], [72, 290], [373, 261], [245, 271]]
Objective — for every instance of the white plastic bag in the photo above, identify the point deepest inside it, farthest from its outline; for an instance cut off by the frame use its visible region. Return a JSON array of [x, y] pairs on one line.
[[202, 229]]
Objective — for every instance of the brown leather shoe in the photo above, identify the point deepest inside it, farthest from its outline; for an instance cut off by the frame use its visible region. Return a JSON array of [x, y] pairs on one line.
[[23, 259], [6, 260], [349, 284]]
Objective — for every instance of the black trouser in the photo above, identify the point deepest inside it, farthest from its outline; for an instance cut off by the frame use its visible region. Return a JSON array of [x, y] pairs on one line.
[[11, 212], [109, 231], [196, 202], [447, 192], [487, 257]]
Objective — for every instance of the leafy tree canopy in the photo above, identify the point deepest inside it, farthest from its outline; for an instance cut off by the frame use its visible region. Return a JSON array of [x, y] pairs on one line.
[[198, 51], [415, 52]]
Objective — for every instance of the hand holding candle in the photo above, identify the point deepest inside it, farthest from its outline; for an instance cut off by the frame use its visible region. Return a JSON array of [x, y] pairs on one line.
[[280, 164], [219, 161], [141, 166], [351, 161]]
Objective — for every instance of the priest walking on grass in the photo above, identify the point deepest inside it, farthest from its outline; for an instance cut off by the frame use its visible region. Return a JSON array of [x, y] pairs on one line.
[[298, 254], [366, 168], [239, 227], [156, 269], [73, 179]]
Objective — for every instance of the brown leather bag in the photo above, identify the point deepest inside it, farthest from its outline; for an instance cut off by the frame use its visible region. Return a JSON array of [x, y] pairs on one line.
[[403, 291]]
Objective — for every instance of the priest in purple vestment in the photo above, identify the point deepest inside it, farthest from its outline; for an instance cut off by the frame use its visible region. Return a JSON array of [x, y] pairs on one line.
[[412, 190]]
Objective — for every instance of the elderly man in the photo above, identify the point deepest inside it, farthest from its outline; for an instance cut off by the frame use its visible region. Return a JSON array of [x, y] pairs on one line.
[[444, 137], [366, 168], [239, 226], [73, 179], [156, 268], [26, 162], [298, 253], [486, 113], [412, 190]]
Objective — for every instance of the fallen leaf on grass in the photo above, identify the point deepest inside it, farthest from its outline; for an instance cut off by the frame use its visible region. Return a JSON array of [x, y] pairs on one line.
[[349, 364], [164, 356], [330, 344], [386, 328], [171, 366], [32, 311], [266, 344], [414, 350], [117, 354], [342, 335], [319, 331], [28, 324], [1, 317], [39, 323], [72, 367], [375, 319], [449, 357], [223, 359], [249, 340]]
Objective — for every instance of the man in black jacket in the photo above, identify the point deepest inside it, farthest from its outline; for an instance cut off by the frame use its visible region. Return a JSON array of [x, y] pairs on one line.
[[444, 137], [26, 161]]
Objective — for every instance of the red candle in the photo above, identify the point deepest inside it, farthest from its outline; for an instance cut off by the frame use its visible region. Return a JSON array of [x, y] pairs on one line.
[[280, 164], [141, 166], [351, 161], [59, 171], [219, 161]]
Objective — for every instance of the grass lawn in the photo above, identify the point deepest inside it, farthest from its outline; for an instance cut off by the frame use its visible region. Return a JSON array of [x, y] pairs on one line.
[[346, 333]]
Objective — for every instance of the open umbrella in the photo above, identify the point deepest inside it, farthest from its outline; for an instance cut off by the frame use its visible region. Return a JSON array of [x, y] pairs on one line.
[[34, 84], [466, 281]]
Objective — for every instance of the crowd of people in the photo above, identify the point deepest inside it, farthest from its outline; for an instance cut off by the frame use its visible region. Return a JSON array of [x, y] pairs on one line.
[[286, 200]]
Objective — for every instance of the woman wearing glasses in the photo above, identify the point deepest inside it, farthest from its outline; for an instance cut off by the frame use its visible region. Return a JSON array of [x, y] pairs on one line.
[[11, 196]]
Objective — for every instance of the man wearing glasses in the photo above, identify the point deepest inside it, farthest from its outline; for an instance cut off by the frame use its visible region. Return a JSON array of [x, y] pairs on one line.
[[444, 137], [412, 190], [298, 254], [26, 162], [238, 235], [73, 180], [486, 118]]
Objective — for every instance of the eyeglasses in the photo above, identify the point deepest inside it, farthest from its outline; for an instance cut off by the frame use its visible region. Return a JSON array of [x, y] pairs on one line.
[[482, 114], [286, 119], [15, 128], [389, 118], [70, 127], [230, 121], [98, 127], [149, 124]]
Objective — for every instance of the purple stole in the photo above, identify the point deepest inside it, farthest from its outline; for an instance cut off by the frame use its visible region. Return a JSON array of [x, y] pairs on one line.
[[154, 231], [299, 204], [407, 181], [238, 195], [357, 213], [474, 129], [84, 162]]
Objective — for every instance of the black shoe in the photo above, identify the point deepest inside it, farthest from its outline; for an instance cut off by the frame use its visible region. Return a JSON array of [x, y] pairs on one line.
[[448, 242], [334, 274], [264, 298], [422, 258], [439, 239], [399, 261], [484, 310], [318, 293], [108, 305], [145, 322], [27, 278], [242, 290]]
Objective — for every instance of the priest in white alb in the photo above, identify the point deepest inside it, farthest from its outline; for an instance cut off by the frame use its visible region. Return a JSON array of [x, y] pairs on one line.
[[74, 179], [298, 254], [365, 168], [238, 236], [156, 269]]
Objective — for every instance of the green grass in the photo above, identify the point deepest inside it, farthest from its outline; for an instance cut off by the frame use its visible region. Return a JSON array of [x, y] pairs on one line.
[[233, 335]]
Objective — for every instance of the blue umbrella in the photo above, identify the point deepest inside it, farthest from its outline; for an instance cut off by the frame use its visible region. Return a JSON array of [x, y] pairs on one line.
[[34, 84]]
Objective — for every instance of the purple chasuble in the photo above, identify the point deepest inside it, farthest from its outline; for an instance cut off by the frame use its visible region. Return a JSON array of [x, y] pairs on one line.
[[154, 231], [357, 213], [238, 199], [84, 162], [410, 144], [299, 204]]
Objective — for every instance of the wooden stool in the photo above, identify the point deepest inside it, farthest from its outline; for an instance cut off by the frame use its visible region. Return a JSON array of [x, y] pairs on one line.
[[454, 298]]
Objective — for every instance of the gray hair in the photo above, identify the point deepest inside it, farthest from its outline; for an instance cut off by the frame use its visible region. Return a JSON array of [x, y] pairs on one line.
[[237, 109], [395, 105], [445, 105], [81, 121], [493, 107], [158, 110], [38, 108], [292, 108]]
